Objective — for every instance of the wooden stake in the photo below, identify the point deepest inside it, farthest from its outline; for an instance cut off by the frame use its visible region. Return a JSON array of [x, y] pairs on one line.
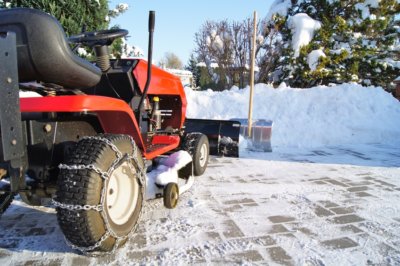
[[253, 55]]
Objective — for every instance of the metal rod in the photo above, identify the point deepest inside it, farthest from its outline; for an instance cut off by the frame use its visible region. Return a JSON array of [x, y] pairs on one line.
[[149, 59], [253, 55]]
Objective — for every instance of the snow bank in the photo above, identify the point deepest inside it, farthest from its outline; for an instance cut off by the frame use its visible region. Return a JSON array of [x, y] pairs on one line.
[[320, 116], [303, 28]]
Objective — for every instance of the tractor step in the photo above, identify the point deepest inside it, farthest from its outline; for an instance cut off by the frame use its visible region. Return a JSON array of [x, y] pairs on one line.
[[160, 145]]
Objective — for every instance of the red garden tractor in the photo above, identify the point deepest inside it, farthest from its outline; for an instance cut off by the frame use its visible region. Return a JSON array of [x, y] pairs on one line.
[[88, 141]]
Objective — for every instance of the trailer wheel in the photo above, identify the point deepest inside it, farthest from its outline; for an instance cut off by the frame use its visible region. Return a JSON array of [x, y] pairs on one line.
[[171, 195], [199, 148], [119, 195]]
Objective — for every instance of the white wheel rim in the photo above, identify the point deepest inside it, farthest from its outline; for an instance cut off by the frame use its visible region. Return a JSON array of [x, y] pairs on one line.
[[203, 155], [122, 194]]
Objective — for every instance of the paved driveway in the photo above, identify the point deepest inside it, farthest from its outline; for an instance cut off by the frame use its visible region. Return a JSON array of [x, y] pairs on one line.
[[332, 206]]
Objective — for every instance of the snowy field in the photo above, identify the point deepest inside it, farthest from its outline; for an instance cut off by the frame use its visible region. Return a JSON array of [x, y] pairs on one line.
[[328, 194]]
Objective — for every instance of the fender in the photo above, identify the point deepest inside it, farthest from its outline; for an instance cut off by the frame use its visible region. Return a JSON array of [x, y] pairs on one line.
[[115, 116]]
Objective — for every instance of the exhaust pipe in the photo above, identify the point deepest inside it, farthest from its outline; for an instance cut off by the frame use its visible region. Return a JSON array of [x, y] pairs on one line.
[[152, 19]]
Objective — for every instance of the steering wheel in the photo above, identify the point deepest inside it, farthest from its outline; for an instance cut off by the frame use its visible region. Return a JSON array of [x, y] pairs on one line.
[[101, 37]]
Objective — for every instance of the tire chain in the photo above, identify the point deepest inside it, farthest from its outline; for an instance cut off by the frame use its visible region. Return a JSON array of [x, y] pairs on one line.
[[5, 201], [189, 142], [99, 208]]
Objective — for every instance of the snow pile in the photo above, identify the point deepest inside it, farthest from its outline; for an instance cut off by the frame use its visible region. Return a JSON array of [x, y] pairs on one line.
[[320, 116], [303, 28], [166, 172], [313, 58]]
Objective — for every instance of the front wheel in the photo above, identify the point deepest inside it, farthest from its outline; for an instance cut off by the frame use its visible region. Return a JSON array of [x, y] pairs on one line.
[[100, 192], [199, 148]]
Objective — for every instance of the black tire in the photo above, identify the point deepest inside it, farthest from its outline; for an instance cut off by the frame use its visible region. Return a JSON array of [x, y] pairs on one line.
[[84, 228], [5, 201], [171, 195], [198, 147]]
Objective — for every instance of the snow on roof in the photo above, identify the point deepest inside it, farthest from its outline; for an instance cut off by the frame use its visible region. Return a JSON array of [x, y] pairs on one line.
[[303, 28], [179, 72]]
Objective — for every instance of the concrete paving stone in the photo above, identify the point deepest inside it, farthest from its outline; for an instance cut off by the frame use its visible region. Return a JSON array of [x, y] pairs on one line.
[[55, 262], [357, 189], [319, 179], [279, 255], [107, 259], [306, 231], [360, 183], [261, 240], [196, 254], [364, 174], [342, 210], [321, 212], [339, 243], [251, 204], [240, 201], [5, 253], [81, 260], [213, 235], [280, 219], [385, 183], [351, 228], [328, 204], [320, 182], [287, 235], [369, 178], [248, 255], [337, 183], [233, 208], [138, 241], [232, 230], [346, 219], [278, 228], [215, 165], [363, 194], [140, 255]]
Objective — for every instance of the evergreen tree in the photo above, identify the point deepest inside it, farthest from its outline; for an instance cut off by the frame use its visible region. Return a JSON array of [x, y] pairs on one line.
[[358, 41], [72, 14], [193, 67]]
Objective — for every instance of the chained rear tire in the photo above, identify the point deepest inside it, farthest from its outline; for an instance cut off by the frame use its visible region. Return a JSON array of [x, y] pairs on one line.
[[122, 202]]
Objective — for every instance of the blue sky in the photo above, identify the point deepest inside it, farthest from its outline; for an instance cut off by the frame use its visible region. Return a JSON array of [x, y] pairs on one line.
[[178, 20]]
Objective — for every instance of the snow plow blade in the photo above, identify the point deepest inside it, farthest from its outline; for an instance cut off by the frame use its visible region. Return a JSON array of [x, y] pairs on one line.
[[223, 135]]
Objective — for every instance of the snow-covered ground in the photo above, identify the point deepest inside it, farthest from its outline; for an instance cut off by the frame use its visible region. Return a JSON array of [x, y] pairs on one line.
[[328, 194]]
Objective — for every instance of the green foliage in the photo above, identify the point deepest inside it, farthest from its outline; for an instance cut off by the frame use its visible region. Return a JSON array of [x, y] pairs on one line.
[[356, 38], [72, 14], [192, 67]]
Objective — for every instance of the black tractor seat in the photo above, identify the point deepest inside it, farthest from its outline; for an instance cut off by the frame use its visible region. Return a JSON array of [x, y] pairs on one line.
[[43, 50]]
